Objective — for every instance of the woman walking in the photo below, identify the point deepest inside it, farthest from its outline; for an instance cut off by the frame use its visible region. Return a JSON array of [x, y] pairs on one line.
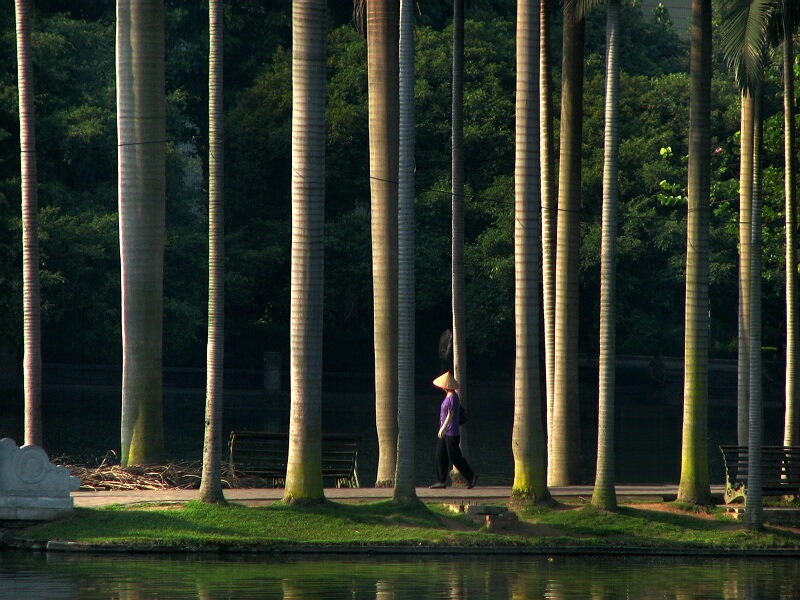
[[448, 450]]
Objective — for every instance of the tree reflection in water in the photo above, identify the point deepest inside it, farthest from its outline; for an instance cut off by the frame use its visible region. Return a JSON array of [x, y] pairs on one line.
[[134, 577]]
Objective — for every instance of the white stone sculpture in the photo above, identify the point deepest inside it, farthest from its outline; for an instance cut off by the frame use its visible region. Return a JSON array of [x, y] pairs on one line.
[[31, 487]]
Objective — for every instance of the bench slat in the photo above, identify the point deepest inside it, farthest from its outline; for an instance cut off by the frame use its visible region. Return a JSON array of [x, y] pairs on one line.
[[780, 471], [266, 454]]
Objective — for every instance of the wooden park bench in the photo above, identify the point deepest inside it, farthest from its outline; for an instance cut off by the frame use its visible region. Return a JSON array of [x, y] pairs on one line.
[[780, 471], [265, 455]]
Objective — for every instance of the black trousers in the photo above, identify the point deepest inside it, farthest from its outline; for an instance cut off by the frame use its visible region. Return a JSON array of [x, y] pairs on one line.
[[448, 452]]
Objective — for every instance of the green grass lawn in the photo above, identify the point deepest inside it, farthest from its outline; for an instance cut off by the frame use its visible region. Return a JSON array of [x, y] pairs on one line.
[[385, 523]]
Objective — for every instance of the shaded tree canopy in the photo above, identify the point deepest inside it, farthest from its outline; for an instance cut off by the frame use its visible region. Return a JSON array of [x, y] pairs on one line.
[[76, 138]]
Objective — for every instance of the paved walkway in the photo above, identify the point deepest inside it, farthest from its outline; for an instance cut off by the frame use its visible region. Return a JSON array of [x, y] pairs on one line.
[[477, 495]]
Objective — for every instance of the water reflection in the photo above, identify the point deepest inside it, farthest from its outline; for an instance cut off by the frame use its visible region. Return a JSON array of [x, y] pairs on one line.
[[58, 576]]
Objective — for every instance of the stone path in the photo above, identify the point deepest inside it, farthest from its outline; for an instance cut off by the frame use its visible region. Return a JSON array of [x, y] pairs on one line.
[[478, 495]]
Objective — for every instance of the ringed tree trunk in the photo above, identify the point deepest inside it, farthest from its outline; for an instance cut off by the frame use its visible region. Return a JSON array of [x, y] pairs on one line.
[[141, 127], [745, 226], [405, 490], [791, 429], [383, 31], [546, 157], [527, 437], [564, 459], [754, 512], [604, 494], [457, 224], [31, 295], [211, 478], [304, 465], [694, 484]]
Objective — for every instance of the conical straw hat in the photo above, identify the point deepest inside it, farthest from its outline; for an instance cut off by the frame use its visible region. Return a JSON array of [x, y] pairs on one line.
[[446, 381]]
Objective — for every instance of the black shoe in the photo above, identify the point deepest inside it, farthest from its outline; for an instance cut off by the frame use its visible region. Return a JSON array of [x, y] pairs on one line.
[[438, 486], [472, 482]]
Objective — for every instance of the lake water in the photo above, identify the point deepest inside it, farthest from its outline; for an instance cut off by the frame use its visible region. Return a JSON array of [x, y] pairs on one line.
[[67, 576]]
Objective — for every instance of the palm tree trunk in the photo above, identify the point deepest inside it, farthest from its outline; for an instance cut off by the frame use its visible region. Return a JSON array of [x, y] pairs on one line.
[[405, 489], [383, 30], [141, 126], [527, 437], [604, 494], [211, 479], [31, 296], [546, 156], [304, 468], [754, 514], [745, 225], [694, 484], [791, 429], [457, 167], [564, 459]]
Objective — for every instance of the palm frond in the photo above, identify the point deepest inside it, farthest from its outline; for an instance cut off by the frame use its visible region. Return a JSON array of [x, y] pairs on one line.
[[577, 9], [743, 32]]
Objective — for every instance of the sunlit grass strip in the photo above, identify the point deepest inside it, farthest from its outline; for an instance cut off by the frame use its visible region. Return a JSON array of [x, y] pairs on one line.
[[384, 524]]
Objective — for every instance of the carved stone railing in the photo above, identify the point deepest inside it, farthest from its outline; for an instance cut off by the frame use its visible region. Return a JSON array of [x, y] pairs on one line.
[[31, 487]]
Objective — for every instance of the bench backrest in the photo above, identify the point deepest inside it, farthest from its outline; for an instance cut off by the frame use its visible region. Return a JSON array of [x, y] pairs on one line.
[[267, 453], [780, 465]]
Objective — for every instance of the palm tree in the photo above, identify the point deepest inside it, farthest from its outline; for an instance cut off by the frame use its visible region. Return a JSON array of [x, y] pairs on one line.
[[546, 157], [457, 240], [404, 489], [527, 438], [745, 226], [604, 494], [564, 457], [141, 127], [791, 430], [304, 468], [31, 299], [754, 516], [383, 30], [694, 484], [744, 28], [211, 482]]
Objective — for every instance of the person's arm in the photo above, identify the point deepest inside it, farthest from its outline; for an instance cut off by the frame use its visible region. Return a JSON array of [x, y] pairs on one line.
[[447, 419]]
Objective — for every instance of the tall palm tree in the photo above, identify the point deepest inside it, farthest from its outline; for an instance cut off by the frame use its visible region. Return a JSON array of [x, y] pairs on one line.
[[141, 130], [546, 157], [754, 516], [211, 482], [791, 430], [744, 29], [745, 226], [694, 484], [527, 438], [304, 465], [383, 62], [604, 494], [404, 489], [564, 457], [457, 197], [31, 298]]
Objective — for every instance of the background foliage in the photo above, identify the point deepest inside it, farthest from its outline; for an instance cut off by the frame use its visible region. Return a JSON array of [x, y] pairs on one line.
[[76, 138]]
